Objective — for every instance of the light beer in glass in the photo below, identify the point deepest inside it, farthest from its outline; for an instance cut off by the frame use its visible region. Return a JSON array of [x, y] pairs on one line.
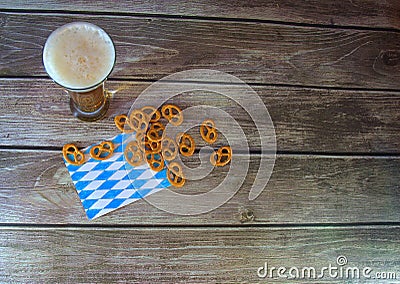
[[79, 56]]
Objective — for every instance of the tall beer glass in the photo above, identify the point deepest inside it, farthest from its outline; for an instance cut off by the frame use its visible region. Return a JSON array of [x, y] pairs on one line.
[[79, 57]]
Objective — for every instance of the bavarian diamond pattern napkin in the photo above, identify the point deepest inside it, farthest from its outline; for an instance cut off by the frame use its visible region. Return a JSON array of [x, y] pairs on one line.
[[104, 186]]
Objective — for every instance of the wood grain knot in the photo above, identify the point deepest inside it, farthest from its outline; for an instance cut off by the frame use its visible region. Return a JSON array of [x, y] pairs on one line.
[[390, 57]]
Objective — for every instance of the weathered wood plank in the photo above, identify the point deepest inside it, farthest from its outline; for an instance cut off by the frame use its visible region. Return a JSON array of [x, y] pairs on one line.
[[36, 113], [150, 48], [368, 13], [185, 255], [35, 187]]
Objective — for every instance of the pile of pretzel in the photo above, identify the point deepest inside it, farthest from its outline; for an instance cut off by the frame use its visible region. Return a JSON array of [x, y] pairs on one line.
[[151, 145]]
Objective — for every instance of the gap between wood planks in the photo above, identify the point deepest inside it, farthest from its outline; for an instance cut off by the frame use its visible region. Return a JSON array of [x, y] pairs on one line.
[[197, 18], [294, 86], [299, 226]]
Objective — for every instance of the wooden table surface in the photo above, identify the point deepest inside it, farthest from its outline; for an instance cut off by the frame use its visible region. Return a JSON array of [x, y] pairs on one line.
[[329, 73]]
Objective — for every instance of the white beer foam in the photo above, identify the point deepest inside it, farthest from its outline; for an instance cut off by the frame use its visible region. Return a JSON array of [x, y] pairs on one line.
[[79, 55]]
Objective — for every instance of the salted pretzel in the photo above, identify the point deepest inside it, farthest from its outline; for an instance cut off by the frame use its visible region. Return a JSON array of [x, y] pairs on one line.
[[172, 113], [175, 175], [155, 161], [155, 131], [102, 151], [169, 148], [208, 131], [121, 121], [186, 144], [78, 158], [133, 154], [153, 113], [138, 120], [221, 157]]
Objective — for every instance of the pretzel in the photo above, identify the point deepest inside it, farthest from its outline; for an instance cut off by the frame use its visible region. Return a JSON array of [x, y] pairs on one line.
[[155, 131], [175, 174], [169, 148], [221, 157], [121, 123], [152, 146], [141, 140], [78, 156], [105, 147], [153, 113], [138, 120], [133, 154], [186, 144], [155, 161], [208, 131], [173, 114]]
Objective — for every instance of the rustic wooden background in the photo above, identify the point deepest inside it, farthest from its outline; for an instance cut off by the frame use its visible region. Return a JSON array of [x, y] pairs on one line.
[[328, 72]]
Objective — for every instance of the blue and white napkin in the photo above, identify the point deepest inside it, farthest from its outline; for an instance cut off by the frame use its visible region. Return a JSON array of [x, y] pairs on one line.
[[104, 186]]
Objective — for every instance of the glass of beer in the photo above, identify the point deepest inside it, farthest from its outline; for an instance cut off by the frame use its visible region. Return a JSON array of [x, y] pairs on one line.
[[79, 56]]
